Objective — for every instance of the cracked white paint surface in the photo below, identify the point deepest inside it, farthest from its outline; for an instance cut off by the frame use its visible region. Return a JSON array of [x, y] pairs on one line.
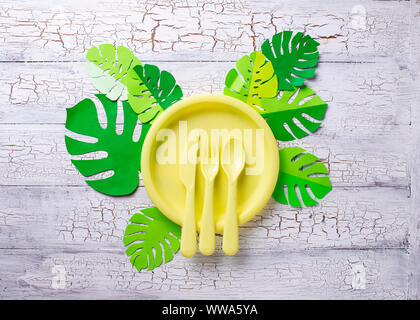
[[359, 242], [196, 29], [348, 218], [283, 274]]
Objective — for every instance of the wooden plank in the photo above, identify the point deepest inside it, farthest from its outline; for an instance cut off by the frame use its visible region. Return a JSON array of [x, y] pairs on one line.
[[328, 274], [360, 96], [46, 217], [196, 30], [36, 155]]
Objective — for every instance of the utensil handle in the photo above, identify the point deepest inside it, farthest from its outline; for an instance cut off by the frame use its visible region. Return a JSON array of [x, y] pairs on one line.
[[207, 237], [230, 230], [189, 233]]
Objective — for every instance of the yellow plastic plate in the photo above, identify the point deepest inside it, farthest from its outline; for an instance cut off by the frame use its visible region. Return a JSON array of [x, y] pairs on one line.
[[207, 112]]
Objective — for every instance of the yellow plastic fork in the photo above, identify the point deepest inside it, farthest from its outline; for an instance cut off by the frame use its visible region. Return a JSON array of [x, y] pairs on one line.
[[207, 237]]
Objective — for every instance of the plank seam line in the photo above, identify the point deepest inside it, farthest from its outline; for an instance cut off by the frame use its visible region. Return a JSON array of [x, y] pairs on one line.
[[142, 187], [172, 61]]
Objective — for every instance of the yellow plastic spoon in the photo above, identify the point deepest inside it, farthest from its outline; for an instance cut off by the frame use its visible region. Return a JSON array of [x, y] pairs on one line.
[[233, 161], [187, 176], [206, 241]]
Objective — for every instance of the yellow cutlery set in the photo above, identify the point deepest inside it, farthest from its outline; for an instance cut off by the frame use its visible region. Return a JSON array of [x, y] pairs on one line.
[[232, 164]]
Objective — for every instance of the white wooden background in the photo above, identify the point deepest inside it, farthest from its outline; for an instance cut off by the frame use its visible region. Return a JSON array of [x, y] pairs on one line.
[[360, 242]]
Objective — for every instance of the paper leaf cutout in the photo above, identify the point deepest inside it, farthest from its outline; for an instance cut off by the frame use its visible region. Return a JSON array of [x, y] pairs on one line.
[[291, 107], [252, 80], [152, 239], [301, 170], [123, 154], [151, 91], [293, 59], [144, 130], [108, 71]]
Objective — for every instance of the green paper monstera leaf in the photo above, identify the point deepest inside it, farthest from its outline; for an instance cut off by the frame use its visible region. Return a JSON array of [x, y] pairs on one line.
[[252, 80], [123, 154], [151, 239], [301, 170], [293, 58], [290, 107], [151, 91], [108, 69]]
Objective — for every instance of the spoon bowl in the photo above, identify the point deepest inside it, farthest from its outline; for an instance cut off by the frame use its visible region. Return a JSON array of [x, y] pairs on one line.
[[233, 158]]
